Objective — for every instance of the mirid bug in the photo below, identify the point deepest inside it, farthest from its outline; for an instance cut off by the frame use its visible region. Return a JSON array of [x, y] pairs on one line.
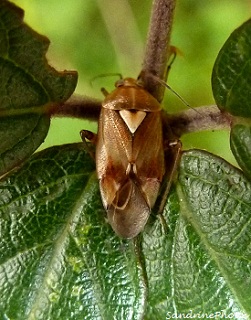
[[129, 156]]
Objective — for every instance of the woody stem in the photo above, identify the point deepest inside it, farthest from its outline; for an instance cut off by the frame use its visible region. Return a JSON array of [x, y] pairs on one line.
[[192, 120], [158, 47], [200, 119]]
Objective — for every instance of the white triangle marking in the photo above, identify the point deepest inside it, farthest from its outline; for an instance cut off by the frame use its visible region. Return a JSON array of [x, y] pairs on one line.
[[132, 119]]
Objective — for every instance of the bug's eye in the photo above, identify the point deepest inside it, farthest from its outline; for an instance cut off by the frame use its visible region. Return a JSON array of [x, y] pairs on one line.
[[119, 83], [140, 83]]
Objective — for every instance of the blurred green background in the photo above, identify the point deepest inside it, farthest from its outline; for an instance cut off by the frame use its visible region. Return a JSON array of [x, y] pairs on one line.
[[102, 36]]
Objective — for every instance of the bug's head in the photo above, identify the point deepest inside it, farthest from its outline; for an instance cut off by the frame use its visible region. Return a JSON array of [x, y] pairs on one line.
[[128, 82]]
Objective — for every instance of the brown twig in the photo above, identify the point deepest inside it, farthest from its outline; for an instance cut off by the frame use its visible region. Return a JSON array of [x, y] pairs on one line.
[[192, 120], [200, 119], [158, 47], [78, 106]]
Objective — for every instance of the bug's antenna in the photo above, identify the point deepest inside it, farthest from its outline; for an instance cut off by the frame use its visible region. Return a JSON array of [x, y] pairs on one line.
[[163, 83], [174, 51], [174, 92], [106, 75], [177, 95]]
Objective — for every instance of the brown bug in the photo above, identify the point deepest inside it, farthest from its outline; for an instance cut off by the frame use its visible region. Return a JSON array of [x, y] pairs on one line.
[[129, 156]]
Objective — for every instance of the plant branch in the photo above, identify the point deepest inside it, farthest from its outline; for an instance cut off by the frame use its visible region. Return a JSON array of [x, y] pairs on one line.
[[205, 118], [78, 106], [192, 120], [158, 47]]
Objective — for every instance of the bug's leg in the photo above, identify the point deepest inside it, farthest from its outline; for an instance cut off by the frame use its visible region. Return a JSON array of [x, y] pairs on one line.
[[87, 135], [172, 156], [172, 159], [172, 149], [104, 91], [138, 251], [173, 53]]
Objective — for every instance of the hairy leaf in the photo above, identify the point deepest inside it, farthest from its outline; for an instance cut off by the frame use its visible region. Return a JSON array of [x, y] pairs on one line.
[[28, 87], [231, 77], [60, 259], [240, 141], [216, 203]]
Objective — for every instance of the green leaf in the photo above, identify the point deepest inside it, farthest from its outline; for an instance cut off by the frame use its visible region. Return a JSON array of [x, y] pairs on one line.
[[240, 142], [28, 87], [231, 77], [20, 137], [60, 259], [216, 204]]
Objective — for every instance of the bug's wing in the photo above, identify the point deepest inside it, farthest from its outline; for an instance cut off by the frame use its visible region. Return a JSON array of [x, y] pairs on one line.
[[149, 154], [130, 169], [129, 211], [113, 149]]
